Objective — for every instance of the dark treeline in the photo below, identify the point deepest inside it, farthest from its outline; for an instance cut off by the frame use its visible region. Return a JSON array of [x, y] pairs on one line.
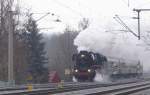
[[31, 61], [29, 55]]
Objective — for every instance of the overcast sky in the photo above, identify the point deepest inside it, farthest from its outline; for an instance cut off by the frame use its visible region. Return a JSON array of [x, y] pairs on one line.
[[100, 14], [71, 11]]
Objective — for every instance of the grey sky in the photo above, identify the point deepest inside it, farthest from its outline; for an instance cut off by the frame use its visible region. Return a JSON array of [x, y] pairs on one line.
[[71, 11]]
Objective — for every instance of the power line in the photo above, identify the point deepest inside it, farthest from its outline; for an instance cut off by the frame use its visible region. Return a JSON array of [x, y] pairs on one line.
[[42, 17], [67, 7], [46, 14], [127, 3], [118, 19]]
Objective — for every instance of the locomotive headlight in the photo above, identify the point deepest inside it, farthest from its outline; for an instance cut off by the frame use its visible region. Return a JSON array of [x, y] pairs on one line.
[[76, 70], [89, 70], [82, 55]]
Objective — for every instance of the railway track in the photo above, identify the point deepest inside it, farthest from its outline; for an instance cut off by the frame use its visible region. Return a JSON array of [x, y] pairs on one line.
[[120, 89], [80, 88]]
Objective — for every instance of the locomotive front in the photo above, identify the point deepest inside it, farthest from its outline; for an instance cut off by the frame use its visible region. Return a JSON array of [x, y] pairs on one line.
[[83, 70]]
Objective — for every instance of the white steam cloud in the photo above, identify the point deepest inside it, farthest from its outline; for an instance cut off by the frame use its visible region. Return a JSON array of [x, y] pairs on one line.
[[116, 44], [102, 35]]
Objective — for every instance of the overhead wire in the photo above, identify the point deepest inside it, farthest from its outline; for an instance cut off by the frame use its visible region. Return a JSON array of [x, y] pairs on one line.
[[144, 39], [124, 25], [69, 8], [126, 3]]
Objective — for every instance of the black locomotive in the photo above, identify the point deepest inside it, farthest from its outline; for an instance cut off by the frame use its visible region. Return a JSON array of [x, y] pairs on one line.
[[85, 65]]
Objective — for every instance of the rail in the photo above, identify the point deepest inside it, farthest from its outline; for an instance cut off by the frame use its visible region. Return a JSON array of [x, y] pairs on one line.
[[71, 88], [125, 89]]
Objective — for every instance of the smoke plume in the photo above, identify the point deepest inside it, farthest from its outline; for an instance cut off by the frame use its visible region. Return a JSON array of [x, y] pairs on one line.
[[117, 44]]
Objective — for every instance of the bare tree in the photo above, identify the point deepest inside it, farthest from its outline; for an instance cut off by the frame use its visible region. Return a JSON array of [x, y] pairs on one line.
[[7, 6], [60, 50], [83, 24]]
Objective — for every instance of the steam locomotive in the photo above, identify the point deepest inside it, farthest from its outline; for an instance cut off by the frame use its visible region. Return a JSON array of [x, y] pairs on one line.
[[87, 63]]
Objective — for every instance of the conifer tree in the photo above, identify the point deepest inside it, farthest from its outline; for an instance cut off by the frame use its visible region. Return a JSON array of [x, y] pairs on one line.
[[35, 52]]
